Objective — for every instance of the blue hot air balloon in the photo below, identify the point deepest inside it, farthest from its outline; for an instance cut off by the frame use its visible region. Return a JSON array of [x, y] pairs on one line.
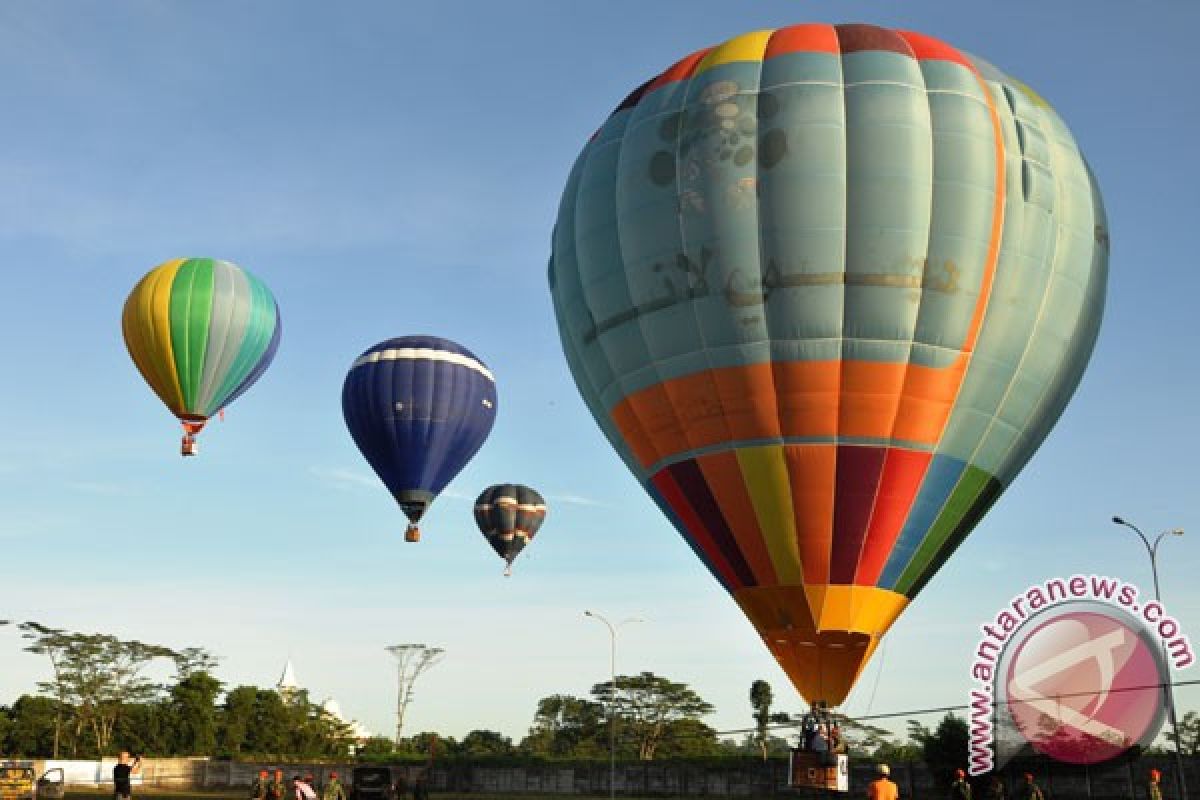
[[419, 408]]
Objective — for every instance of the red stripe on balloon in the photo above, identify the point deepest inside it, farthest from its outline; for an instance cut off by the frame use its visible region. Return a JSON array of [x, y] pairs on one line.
[[856, 37], [691, 480], [858, 470], [695, 531], [903, 471]]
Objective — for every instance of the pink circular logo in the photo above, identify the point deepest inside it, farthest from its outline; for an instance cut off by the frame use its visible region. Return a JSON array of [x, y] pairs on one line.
[[1085, 686]]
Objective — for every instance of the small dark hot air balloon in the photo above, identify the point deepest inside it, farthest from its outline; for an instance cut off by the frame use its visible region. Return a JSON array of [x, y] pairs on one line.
[[419, 408], [508, 515]]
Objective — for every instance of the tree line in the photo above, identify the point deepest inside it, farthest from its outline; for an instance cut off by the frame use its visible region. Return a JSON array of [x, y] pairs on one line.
[[99, 699]]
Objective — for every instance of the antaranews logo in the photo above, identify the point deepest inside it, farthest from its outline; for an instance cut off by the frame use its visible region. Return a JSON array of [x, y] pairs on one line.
[[1075, 668]]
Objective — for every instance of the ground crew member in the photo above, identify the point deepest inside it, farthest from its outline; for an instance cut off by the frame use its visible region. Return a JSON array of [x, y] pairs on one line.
[[278, 789], [258, 789], [333, 789], [1030, 790], [960, 789], [882, 787], [995, 789], [1153, 791]]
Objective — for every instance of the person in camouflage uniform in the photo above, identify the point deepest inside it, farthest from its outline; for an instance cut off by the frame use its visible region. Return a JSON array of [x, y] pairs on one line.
[[1029, 790], [1153, 790], [960, 789], [333, 789], [995, 788], [258, 789], [278, 788]]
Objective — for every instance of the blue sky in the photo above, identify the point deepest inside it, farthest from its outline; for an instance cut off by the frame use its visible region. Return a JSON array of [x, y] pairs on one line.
[[395, 168]]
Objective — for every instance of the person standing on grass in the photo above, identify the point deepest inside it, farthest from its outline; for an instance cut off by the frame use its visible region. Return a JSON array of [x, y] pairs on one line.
[[258, 790], [960, 789], [277, 791], [123, 774], [301, 790], [333, 789], [882, 787]]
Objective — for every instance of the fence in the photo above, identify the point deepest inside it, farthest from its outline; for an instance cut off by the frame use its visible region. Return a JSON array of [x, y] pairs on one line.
[[737, 779]]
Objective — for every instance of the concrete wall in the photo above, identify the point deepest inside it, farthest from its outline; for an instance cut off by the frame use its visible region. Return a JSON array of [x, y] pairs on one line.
[[650, 779]]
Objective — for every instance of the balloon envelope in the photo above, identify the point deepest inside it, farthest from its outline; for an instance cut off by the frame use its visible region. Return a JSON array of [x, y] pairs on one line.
[[201, 331], [826, 289], [419, 408], [508, 516]]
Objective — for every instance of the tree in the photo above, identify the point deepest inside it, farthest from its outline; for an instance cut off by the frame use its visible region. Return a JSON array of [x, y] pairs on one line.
[[566, 726], [97, 674], [1188, 741], [760, 700], [485, 743], [235, 719], [32, 726], [646, 704], [688, 738], [193, 712], [378, 746], [943, 750]]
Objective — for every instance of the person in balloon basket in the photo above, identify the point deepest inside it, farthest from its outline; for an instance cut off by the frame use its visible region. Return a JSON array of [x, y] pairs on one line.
[[1153, 790], [882, 787], [127, 766], [1029, 790], [960, 789]]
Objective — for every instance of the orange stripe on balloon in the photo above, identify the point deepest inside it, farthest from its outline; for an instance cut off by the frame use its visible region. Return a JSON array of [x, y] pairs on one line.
[[869, 396], [812, 469], [791, 399], [903, 471], [993, 256], [724, 477], [696, 531], [813, 38], [681, 70]]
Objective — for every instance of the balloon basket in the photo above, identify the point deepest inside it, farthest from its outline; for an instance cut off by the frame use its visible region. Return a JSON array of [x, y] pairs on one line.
[[508, 571], [188, 447], [413, 534]]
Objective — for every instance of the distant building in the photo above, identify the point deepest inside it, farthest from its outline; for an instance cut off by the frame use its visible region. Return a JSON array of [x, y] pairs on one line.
[[287, 685], [288, 688]]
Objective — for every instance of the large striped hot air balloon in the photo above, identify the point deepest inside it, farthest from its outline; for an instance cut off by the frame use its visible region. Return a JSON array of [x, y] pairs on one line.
[[826, 289], [419, 408], [201, 331]]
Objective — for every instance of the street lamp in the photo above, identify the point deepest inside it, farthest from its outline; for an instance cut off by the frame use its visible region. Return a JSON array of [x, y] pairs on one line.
[[1152, 551], [612, 705]]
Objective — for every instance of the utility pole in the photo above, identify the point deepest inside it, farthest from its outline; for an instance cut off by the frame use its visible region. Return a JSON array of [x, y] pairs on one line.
[[1152, 551], [411, 661], [612, 706]]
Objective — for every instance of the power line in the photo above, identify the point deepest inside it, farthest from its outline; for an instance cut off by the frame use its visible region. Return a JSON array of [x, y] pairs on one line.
[[961, 707]]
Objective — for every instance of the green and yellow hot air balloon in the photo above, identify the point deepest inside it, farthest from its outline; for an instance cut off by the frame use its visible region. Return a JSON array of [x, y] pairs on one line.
[[201, 331]]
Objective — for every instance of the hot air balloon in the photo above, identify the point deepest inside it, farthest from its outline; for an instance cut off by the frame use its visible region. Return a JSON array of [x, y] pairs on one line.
[[825, 289], [201, 331], [508, 516], [419, 408]]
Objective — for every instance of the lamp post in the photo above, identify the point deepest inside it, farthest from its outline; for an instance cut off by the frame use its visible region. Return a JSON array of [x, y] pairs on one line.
[[1152, 551], [612, 705]]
